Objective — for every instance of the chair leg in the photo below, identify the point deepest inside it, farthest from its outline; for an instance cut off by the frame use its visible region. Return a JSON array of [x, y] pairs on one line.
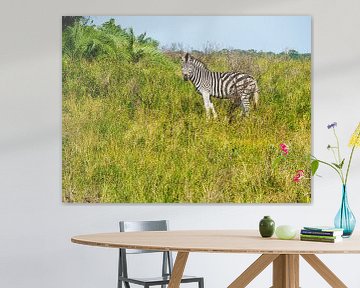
[[201, 283]]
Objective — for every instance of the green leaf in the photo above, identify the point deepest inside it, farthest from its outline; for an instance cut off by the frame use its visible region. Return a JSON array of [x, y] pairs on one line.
[[314, 167], [336, 165], [276, 162], [342, 163]]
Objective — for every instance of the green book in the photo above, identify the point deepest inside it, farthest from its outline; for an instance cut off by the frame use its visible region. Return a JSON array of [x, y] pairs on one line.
[[319, 236], [325, 240]]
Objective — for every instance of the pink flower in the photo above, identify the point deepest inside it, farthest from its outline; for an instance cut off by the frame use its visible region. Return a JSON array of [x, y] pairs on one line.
[[284, 148], [299, 175]]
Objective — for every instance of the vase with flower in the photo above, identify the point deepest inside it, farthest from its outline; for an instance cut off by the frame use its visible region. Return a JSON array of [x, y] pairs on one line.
[[344, 218]]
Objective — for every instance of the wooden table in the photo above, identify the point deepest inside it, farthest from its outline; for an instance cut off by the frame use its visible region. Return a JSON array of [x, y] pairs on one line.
[[284, 254]]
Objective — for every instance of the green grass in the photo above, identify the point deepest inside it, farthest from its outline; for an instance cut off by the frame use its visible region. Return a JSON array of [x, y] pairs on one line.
[[136, 132]]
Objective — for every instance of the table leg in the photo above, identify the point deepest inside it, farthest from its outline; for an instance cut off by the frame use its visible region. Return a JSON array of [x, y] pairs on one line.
[[324, 271], [178, 270], [253, 270], [286, 271]]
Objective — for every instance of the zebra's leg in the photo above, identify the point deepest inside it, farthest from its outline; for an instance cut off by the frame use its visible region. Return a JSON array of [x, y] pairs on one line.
[[213, 110], [209, 107], [245, 104], [235, 103]]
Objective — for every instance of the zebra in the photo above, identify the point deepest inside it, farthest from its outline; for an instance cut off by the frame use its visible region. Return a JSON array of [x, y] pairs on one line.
[[239, 87]]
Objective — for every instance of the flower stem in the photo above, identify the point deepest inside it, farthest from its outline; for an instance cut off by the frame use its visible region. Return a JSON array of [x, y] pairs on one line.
[[332, 166], [333, 152], [338, 150], [338, 146], [351, 155], [348, 167]]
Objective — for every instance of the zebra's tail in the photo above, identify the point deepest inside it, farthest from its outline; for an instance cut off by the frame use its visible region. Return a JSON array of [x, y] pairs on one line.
[[256, 99], [256, 96]]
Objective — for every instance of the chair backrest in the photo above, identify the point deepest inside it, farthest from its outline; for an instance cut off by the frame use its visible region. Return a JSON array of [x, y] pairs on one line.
[[134, 226]]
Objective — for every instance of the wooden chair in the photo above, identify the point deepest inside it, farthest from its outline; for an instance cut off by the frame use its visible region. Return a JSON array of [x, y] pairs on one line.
[[167, 262]]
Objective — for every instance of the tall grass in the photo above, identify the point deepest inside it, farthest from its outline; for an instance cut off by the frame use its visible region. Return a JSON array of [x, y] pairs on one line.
[[134, 131]]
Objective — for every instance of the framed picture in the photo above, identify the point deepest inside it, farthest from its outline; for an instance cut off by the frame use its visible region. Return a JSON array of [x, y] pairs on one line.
[[186, 109]]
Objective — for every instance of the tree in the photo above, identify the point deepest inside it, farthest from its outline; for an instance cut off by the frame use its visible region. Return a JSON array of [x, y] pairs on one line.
[[70, 20], [293, 54]]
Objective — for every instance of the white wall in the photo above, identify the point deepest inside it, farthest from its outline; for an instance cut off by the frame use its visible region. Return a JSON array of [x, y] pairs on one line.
[[35, 227]]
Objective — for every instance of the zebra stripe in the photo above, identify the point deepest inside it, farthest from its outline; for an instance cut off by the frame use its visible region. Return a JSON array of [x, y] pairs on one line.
[[240, 87]]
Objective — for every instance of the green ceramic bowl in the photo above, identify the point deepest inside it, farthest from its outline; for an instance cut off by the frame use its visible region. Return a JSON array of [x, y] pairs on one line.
[[285, 232]]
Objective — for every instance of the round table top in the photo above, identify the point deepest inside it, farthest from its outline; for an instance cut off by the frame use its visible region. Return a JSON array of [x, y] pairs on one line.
[[220, 241]]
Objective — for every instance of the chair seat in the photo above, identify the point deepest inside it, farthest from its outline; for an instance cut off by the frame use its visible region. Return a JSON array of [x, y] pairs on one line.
[[158, 280]]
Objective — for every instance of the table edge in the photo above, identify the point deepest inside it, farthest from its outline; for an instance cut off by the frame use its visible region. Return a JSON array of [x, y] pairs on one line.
[[205, 250]]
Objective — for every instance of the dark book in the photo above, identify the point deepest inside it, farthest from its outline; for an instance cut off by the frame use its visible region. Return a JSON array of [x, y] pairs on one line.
[[322, 233]]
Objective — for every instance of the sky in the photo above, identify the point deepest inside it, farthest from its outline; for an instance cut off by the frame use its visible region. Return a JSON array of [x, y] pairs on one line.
[[261, 33]]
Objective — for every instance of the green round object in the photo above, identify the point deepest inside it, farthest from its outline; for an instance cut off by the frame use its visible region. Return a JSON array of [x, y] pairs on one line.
[[285, 232], [266, 226]]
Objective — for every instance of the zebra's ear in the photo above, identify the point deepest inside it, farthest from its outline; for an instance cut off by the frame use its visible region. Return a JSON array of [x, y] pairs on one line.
[[185, 57]]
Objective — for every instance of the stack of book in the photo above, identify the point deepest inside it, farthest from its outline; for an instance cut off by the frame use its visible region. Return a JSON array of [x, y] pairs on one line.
[[321, 234]]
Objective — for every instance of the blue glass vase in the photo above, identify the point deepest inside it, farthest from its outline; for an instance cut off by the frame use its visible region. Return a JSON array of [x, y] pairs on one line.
[[345, 219]]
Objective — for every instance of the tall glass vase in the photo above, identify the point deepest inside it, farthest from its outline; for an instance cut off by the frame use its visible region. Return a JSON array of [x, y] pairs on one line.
[[345, 219]]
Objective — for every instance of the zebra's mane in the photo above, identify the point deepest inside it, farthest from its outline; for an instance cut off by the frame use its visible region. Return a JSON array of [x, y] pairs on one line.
[[195, 61], [198, 63]]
